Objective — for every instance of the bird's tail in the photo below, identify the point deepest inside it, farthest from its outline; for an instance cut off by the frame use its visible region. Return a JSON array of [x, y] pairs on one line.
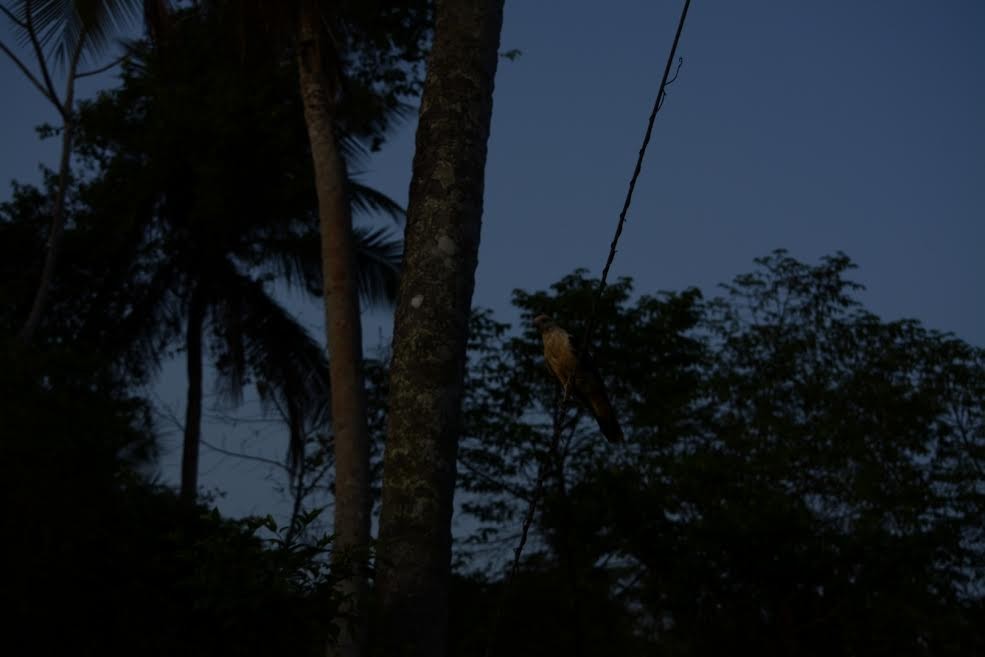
[[608, 423]]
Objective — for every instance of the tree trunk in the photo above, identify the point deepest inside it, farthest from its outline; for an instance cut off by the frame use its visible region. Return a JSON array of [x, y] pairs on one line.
[[58, 211], [440, 255], [193, 408], [343, 327], [56, 231]]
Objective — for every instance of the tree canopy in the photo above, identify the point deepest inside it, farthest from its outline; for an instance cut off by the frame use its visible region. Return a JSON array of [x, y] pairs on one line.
[[800, 476]]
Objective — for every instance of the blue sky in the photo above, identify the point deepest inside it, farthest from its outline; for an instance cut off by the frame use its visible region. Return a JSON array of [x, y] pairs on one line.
[[812, 126]]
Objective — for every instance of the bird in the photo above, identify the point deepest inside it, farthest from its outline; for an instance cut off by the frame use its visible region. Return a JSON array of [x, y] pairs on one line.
[[578, 375]]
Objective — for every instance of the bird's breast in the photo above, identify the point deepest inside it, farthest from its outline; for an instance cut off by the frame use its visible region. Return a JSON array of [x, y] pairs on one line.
[[559, 355]]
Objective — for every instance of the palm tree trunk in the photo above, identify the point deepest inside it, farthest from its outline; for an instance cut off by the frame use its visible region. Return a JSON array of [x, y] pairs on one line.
[[343, 327], [431, 327], [193, 408]]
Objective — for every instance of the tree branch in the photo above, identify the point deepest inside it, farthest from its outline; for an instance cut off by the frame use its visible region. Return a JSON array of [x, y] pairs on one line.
[[248, 457], [657, 104], [13, 19], [30, 76], [102, 69], [492, 481]]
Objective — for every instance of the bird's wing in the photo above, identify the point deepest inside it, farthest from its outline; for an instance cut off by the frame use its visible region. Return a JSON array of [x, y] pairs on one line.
[[590, 388]]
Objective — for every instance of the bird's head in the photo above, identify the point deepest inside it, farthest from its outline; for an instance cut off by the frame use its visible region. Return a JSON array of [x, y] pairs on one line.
[[543, 323]]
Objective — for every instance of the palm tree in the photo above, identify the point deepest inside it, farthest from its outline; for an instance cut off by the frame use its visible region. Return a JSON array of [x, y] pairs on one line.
[[325, 37], [320, 57], [253, 337], [71, 32], [353, 507], [212, 157]]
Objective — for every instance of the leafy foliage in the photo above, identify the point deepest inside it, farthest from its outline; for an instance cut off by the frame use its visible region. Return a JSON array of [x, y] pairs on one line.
[[100, 561], [800, 476], [62, 27]]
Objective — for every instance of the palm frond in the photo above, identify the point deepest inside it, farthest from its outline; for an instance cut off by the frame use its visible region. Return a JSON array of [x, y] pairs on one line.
[[379, 254], [289, 366], [149, 320], [352, 150], [295, 259], [365, 199], [228, 343], [63, 26]]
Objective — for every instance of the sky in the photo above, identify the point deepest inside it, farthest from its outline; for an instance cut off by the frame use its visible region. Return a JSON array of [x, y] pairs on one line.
[[812, 126]]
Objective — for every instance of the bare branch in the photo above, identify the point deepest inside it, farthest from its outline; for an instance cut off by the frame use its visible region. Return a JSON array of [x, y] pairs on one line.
[[166, 412], [102, 69], [492, 481], [236, 419], [657, 104], [680, 62], [248, 457]]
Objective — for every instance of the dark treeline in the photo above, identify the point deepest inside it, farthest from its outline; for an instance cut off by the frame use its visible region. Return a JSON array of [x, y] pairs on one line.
[[799, 475]]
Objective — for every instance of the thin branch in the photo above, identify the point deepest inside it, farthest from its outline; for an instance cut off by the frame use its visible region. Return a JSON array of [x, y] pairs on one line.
[[492, 481], [566, 547], [236, 419], [677, 71], [58, 211], [30, 76], [165, 411], [560, 401], [632, 181], [102, 69], [13, 19], [248, 457]]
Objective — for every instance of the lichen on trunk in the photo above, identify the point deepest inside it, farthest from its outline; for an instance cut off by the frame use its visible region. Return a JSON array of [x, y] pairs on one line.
[[431, 328]]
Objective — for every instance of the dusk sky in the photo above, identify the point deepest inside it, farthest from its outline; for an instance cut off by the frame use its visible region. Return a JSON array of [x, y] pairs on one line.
[[811, 126]]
